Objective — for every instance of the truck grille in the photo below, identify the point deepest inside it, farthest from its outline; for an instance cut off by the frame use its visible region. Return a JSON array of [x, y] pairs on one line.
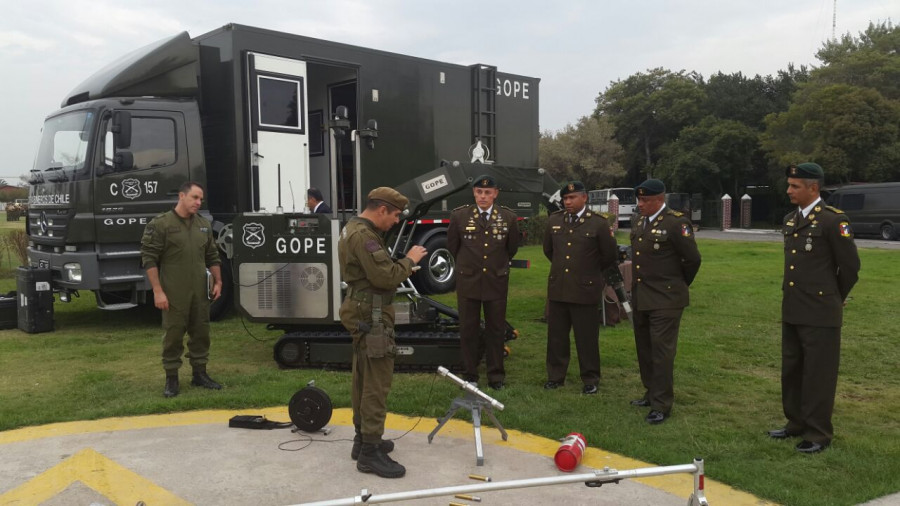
[[49, 227]]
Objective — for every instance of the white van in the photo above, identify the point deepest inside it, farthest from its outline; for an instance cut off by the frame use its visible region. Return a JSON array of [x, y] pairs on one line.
[[598, 202]]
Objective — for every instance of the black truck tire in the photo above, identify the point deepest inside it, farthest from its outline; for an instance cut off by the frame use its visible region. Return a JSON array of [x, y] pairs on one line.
[[219, 308], [438, 268], [888, 232]]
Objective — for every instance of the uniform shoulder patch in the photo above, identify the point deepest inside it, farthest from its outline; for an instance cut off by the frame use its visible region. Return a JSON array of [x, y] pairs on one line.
[[372, 245], [834, 210]]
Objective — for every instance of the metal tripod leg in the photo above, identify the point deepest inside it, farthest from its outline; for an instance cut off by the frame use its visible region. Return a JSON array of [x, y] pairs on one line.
[[476, 406]]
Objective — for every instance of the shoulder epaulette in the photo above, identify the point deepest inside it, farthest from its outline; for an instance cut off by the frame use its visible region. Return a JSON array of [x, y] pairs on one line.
[[557, 212], [461, 207], [605, 215], [508, 209], [675, 213], [834, 210]]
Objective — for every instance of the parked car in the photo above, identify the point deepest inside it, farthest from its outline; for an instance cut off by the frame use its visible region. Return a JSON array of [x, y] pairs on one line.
[[874, 209]]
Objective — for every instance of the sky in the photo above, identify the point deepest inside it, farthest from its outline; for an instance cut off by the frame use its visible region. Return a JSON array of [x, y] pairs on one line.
[[576, 47]]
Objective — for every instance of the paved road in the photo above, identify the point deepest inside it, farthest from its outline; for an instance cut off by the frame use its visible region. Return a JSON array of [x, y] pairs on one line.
[[194, 458]]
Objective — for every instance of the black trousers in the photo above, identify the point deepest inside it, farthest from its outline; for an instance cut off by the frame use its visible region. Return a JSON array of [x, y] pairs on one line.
[[810, 357], [656, 340], [584, 321], [474, 344]]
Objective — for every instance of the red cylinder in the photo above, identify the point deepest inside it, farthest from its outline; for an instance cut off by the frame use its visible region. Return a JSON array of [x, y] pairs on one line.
[[569, 454]]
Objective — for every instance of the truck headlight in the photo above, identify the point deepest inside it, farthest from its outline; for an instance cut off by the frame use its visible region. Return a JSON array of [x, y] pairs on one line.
[[72, 272]]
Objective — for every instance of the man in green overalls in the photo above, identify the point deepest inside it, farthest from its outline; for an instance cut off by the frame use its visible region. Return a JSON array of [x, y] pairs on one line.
[[372, 277], [176, 249]]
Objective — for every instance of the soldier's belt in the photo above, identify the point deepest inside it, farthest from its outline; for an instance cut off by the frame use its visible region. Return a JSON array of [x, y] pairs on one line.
[[363, 296]]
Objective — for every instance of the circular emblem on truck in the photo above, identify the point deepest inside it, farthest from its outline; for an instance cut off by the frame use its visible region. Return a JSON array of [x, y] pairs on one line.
[[42, 222]]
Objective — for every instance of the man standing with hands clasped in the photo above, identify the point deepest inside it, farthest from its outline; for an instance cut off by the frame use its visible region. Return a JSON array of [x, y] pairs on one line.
[[176, 249], [372, 278], [580, 245], [483, 238], [821, 265], [664, 262]]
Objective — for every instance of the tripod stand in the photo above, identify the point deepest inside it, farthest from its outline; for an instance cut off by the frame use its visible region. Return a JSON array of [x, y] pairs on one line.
[[475, 401]]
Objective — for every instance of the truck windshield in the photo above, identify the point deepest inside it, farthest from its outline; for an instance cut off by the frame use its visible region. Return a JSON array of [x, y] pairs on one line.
[[64, 143]]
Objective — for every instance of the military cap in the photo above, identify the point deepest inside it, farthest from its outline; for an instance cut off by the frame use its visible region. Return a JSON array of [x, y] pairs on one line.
[[650, 187], [315, 193], [807, 170], [571, 187], [389, 195], [484, 181]]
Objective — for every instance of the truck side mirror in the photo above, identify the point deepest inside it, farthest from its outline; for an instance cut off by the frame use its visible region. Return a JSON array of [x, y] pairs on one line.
[[124, 160], [121, 129]]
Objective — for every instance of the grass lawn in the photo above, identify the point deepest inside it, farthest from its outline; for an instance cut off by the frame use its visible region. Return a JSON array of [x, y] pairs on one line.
[[100, 364]]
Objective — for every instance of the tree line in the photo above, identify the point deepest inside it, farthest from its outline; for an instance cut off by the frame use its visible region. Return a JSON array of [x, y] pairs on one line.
[[729, 132]]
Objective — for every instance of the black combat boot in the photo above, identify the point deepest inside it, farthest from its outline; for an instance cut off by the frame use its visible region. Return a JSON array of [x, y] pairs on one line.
[[386, 446], [373, 460], [201, 379], [171, 389]]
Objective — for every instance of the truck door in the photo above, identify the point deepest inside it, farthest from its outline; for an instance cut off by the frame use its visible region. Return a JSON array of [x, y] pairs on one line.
[[279, 135], [126, 200]]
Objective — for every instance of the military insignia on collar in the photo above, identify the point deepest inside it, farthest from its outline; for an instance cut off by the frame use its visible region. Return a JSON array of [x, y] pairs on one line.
[[818, 208]]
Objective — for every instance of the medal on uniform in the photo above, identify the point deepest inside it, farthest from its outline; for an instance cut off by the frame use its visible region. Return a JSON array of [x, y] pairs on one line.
[[656, 245], [808, 246]]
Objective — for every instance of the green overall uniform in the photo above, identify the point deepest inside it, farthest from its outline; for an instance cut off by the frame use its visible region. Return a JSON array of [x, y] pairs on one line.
[[372, 277], [182, 249]]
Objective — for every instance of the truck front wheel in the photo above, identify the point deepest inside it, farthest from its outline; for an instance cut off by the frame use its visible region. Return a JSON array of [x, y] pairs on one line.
[[438, 269]]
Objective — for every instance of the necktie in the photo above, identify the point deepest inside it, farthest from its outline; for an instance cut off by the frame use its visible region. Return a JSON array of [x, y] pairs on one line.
[[571, 218], [484, 217]]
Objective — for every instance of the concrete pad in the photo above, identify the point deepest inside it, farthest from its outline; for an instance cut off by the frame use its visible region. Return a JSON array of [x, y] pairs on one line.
[[194, 458]]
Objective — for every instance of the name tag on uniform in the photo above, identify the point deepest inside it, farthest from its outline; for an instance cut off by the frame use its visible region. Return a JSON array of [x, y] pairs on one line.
[[469, 229], [557, 227]]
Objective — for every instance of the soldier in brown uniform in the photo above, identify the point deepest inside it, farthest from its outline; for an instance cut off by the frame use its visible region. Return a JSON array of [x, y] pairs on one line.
[[821, 265], [483, 238], [580, 245], [372, 277], [665, 261]]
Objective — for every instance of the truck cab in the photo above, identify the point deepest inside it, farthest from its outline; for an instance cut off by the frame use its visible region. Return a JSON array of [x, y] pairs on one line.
[[103, 170]]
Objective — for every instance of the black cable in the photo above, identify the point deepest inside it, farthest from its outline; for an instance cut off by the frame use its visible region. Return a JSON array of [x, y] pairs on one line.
[[310, 440]]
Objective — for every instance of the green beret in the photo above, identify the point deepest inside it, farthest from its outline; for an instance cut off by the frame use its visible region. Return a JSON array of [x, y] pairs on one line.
[[807, 170], [650, 187], [571, 187], [484, 181], [389, 195]]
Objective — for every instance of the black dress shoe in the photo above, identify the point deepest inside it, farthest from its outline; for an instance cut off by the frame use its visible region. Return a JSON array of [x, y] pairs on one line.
[[171, 389], [656, 417], [552, 385], [589, 390], [781, 434], [641, 403], [810, 447], [497, 385]]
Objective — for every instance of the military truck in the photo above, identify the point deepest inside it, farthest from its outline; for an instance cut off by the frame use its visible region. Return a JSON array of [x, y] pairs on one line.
[[257, 117]]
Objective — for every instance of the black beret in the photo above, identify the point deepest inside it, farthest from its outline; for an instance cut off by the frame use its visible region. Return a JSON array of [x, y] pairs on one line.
[[314, 193], [650, 187], [484, 181], [807, 170], [571, 187]]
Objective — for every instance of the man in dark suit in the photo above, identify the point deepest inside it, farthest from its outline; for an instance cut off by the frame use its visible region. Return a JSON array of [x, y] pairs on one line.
[[665, 261], [580, 245], [821, 265], [316, 202], [483, 238]]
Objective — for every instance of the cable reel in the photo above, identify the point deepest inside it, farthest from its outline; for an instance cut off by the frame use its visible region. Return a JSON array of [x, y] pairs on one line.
[[310, 409]]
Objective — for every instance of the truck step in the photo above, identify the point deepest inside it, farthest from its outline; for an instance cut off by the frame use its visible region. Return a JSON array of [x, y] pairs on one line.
[[117, 307], [125, 278]]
